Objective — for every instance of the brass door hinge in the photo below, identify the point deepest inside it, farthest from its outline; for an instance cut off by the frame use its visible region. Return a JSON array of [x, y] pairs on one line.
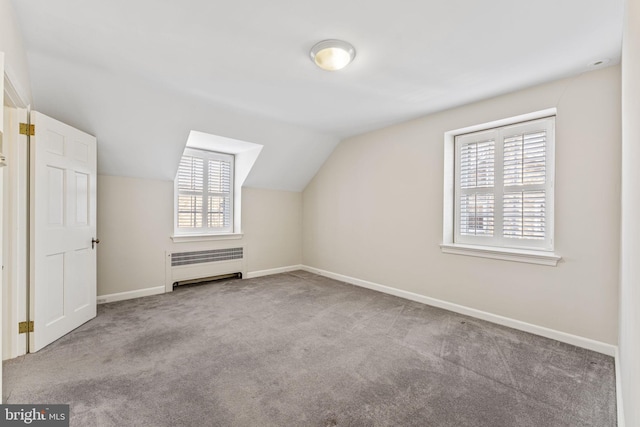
[[26, 129], [24, 327]]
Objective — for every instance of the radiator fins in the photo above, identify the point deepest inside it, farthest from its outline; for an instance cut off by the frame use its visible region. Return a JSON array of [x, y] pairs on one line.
[[199, 257]]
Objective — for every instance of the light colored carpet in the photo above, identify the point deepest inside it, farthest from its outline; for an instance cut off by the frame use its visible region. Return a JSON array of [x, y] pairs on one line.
[[298, 349]]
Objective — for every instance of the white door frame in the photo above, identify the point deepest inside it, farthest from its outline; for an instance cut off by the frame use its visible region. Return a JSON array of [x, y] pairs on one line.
[[16, 225]]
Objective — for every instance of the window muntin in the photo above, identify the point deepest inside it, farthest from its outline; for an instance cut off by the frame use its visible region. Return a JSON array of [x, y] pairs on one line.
[[204, 193], [504, 186]]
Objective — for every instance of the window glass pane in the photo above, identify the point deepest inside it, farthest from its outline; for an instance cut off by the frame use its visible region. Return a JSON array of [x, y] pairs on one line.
[[189, 211], [219, 212]]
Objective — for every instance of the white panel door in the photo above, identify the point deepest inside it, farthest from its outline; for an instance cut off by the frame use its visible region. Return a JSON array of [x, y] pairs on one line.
[[63, 227]]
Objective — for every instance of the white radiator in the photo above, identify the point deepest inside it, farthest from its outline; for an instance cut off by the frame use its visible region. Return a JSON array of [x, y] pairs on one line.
[[189, 266]]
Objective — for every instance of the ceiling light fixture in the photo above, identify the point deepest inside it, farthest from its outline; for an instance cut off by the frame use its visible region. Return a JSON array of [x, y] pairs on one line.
[[332, 55]]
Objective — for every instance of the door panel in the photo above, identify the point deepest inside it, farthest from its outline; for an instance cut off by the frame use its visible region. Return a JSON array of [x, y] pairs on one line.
[[54, 269], [63, 212], [55, 205], [82, 198]]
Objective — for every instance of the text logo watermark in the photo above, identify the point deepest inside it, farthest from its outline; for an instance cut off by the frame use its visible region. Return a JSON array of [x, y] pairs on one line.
[[34, 415]]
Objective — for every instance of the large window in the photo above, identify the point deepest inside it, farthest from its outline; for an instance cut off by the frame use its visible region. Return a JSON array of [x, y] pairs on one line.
[[502, 188], [204, 193]]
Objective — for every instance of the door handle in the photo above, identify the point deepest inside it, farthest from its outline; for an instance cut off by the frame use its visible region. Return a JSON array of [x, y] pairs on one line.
[[94, 242]]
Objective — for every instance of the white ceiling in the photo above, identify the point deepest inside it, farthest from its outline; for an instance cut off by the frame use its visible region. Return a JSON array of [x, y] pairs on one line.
[[141, 74]]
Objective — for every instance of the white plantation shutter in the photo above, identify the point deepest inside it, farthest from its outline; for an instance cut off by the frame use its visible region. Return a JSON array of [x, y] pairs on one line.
[[477, 173], [476, 164], [524, 165], [190, 192], [219, 208], [476, 214], [524, 215], [504, 186], [525, 158], [204, 192]]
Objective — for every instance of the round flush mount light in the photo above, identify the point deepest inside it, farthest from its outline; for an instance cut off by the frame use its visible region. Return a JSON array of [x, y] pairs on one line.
[[332, 55]]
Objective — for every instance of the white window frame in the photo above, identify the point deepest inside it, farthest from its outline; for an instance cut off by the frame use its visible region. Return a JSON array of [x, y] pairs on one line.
[[204, 230], [498, 247]]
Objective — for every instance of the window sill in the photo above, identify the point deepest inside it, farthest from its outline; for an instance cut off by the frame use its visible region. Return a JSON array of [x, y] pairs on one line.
[[184, 238], [517, 255]]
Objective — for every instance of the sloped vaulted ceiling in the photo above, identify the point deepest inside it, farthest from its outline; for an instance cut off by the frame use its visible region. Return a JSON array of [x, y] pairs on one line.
[[142, 74]]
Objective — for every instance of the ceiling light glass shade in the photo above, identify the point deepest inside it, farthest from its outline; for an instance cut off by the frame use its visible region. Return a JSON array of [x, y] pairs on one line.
[[332, 55]]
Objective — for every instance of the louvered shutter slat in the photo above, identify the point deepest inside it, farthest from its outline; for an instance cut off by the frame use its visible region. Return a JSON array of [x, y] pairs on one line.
[[525, 159], [524, 214], [191, 174], [477, 164], [467, 213], [477, 214]]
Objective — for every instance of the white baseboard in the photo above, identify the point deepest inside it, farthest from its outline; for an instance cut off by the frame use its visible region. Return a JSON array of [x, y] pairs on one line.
[[578, 341], [121, 296], [260, 273], [619, 405]]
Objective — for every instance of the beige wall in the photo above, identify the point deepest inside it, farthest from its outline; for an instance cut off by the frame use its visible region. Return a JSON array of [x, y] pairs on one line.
[[272, 225], [374, 212], [630, 265], [135, 221]]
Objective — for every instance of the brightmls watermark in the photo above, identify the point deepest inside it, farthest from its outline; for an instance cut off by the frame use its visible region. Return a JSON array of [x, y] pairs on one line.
[[34, 415]]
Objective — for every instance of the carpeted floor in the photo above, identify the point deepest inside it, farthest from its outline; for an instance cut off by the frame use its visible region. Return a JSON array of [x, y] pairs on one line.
[[298, 349]]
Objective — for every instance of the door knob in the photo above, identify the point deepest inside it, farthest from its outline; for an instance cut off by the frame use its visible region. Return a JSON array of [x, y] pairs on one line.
[[94, 242]]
